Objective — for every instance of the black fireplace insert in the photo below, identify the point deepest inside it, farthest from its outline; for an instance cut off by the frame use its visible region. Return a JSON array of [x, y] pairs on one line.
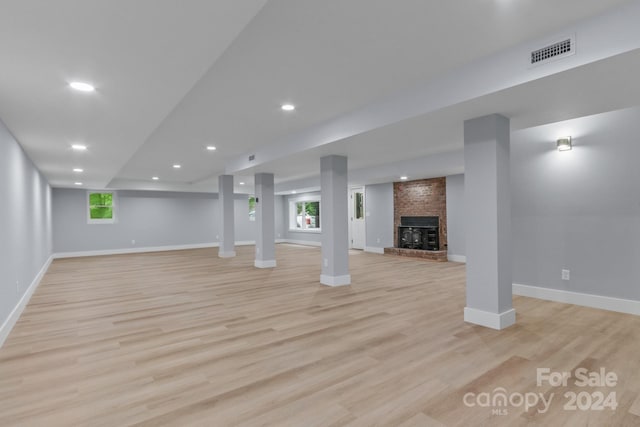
[[419, 232]]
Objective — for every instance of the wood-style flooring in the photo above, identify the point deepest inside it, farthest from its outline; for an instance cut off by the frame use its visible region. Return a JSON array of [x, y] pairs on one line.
[[185, 338]]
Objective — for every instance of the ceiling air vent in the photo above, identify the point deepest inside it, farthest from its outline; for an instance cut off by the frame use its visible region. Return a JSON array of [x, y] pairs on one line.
[[565, 47]]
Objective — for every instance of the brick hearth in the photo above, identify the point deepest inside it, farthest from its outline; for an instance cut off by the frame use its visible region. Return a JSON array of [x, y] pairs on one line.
[[440, 256]]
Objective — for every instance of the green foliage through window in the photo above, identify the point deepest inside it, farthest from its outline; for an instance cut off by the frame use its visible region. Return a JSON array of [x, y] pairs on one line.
[[252, 208], [101, 206]]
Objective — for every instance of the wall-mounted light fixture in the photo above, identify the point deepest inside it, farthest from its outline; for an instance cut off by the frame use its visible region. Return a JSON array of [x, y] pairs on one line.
[[564, 144]]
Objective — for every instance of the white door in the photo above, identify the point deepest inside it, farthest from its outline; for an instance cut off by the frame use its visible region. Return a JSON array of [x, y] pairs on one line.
[[357, 217]]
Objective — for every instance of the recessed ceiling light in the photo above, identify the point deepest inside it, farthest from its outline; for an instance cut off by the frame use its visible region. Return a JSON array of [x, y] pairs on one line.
[[155, 178], [77, 183], [211, 148], [288, 107], [177, 166], [78, 170], [404, 178], [242, 183], [79, 147], [82, 87], [294, 192]]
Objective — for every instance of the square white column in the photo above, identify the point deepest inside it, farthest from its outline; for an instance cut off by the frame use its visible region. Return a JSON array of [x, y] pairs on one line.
[[265, 221], [488, 222], [227, 232], [334, 217]]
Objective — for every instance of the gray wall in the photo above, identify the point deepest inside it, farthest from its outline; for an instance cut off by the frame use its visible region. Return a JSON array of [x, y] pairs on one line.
[[151, 218], [25, 222], [455, 215], [579, 210], [306, 236], [379, 215]]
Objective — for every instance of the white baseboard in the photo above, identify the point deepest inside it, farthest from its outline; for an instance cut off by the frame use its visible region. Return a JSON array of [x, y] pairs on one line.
[[457, 258], [265, 264], [8, 324], [227, 254], [302, 242], [133, 250], [374, 250], [587, 300], [497, 321], [335, 280], [123, 251]]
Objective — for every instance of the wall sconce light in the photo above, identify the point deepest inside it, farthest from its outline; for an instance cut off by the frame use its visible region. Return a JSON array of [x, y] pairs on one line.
[[564, 144]]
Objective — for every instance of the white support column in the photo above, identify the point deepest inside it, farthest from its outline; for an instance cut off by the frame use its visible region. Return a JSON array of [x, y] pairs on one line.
[[488, 222], [265, 221], [227, 232], [334, 217]]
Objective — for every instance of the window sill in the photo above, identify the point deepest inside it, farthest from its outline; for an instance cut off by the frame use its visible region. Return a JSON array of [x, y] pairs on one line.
[[297, 230]]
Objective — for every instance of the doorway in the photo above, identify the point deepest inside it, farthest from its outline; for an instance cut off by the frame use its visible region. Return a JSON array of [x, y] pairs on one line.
[[357, 216]]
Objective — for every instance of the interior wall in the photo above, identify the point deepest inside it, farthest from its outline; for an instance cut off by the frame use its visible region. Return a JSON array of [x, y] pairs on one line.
[[25, 223], [379, 215], [578, 210], [455, 215], [151, 218]]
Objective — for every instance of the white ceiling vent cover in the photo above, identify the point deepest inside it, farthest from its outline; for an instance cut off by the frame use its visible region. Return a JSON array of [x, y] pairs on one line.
[[560, 49]]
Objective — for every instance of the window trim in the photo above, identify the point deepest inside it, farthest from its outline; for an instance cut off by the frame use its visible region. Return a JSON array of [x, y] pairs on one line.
[[293, 214], [114, 204]]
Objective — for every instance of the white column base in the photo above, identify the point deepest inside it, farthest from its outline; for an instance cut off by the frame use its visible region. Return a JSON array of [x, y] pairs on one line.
[[335, 280], [264, 264], [487, 319], [229, 254]]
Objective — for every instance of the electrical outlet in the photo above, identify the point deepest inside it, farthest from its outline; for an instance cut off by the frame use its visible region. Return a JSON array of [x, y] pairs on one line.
[[133, 242], [326, 262], [566, 275], [217, 237], [378, 240]]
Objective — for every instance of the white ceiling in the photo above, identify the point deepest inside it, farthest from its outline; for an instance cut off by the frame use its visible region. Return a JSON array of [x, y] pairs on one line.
[[173, 77]]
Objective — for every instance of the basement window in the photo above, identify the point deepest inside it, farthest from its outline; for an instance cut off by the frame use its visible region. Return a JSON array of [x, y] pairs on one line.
[[252, 208], [304, 215], [101, 207]]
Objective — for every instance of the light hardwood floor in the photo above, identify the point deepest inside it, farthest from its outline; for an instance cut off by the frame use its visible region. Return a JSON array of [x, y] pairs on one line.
[[185, 338]]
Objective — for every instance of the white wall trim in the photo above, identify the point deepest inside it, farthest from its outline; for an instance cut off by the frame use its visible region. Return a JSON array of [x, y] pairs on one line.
[[8, 324], [497, 321], [374, 250], [587, 300], [228, 254], [457, 258], [335, 280], [133, 250], [265, 264], [302, 242]]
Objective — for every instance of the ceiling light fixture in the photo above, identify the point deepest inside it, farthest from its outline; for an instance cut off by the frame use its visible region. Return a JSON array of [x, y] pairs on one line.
[[82, 87], [404, 178], [293, 192], [78, 170], [564, 144], [211, 148], [288, 107], [155, 178], [242, 183], [177, 166], [77, 183], [79, 147]]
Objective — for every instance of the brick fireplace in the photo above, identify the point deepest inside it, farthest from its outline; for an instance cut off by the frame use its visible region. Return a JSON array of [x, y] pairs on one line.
[[421, 198]]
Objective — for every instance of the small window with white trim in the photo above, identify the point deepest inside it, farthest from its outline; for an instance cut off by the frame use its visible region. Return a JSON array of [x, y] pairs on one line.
[[304, 215], [101, 207]]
